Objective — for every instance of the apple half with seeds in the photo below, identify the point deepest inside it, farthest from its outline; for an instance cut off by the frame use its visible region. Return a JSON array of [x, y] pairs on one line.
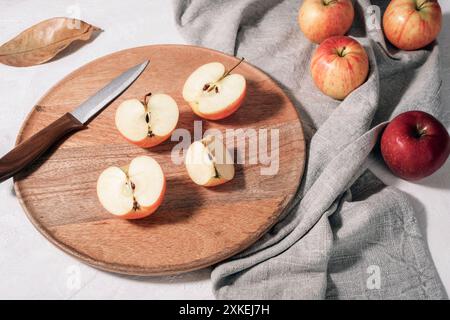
[[214, 93], [209, 163], [147, 123], [134, 191]]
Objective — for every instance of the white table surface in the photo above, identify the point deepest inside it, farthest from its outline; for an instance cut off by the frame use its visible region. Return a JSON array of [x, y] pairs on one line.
[[31, 267]]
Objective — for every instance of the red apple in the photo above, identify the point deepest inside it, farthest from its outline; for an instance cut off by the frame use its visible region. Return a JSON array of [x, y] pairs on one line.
[[412, 24], [339, 66], [414, 145], [322, 19]]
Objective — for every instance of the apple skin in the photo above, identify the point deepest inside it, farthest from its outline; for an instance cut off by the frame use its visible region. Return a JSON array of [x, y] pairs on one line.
[[414, 145], [225, 113], [339, 66], [322, 19], [410, 28]]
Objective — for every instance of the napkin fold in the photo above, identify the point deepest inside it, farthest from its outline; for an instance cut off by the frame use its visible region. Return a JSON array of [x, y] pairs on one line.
[[346, 235]]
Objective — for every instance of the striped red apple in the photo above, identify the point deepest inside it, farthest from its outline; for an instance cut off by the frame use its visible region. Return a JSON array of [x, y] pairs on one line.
[[339, 66], [412, 24], [322, 19]]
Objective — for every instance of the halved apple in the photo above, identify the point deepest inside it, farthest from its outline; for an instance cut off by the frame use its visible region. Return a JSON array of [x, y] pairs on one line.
[[209, 163], [149, 123], [132, 192], [213, 93]]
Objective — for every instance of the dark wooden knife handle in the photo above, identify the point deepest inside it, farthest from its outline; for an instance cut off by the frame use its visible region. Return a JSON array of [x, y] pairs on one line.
[[28, 151]]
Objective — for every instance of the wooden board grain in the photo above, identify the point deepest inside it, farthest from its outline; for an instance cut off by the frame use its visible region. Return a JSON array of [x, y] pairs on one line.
[[195, 227]]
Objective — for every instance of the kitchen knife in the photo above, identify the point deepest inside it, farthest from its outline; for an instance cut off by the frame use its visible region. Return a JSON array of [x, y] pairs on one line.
[[28, 151]]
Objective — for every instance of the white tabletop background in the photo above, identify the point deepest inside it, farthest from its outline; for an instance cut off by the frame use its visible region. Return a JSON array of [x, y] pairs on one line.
[[31, 267]]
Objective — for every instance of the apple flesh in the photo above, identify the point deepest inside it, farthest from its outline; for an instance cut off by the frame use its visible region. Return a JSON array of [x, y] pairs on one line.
[[322, 19], [339, 66], [412, 24], [132, 192], [414, 145], [209, 163], [149, 123], [213, 93]]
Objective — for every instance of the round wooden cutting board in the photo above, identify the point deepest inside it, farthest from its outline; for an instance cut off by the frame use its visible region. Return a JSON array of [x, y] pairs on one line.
[[195, 227]]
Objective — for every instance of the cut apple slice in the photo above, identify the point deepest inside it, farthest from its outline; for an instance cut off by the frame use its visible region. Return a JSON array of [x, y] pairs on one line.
[[209, 163], [132, 192], [150, 123], [214, 93]]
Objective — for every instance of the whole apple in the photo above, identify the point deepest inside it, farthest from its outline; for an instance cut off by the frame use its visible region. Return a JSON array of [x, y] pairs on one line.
[[412, 24], [414, 145], [322, 19], [339, 66]]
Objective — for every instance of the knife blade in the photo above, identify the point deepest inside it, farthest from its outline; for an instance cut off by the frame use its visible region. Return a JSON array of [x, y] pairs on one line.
[[88, 109], [28, 151]]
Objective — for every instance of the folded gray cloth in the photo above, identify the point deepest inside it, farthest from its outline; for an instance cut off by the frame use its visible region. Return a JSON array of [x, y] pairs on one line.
[[347, 236]]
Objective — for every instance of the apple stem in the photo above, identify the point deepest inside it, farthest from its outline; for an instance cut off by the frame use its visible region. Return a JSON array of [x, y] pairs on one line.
[[341, 52], [229, 71], [421, 131], [210, 87], [145, 100], [326, 3], [420, 6]]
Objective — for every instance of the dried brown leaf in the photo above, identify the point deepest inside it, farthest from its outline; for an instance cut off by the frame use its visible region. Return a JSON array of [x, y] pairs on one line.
[[43, 41]]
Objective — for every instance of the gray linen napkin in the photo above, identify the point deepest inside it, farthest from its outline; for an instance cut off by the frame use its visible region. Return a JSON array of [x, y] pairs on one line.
[[347, 236]]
